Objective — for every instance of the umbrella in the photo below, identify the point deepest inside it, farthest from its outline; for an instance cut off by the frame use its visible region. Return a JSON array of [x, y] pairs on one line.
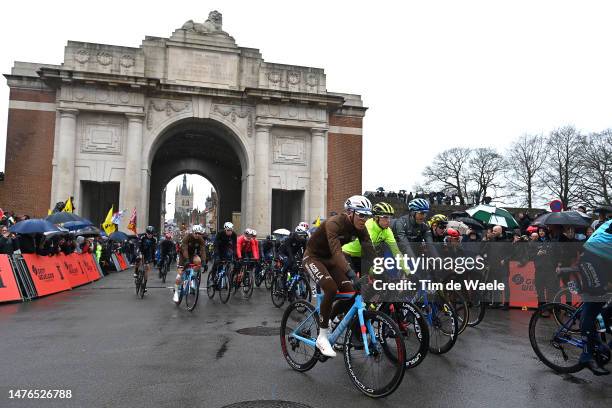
[[89, 230], [459, 226], [458, 214], [60, 231], [603, 209], [471, 222], [118, 236], [282, 231], [492, 215], [75, 225], [568, 218], [33, 226], [62, 217]]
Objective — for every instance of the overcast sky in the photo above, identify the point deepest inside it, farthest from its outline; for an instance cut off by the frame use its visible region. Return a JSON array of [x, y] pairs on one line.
[[201, 190], [434, 74]]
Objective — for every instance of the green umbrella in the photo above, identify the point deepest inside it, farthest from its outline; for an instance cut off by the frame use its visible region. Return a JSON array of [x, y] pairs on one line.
[[491, 215]]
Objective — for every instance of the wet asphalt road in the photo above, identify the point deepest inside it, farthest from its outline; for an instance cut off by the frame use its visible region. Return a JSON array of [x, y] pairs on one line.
[[112, 349]]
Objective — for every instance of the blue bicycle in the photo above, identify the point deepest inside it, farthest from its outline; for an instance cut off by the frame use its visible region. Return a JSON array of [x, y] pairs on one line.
[[290, 286], [190, 288], [218, 280], [373, 346]]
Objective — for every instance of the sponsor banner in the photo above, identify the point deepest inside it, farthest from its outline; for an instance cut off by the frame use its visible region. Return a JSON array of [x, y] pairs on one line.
[[8, 284], [115, 262], [88, 263], [122, 263], [522, 285], [47, 274], [72, 269]]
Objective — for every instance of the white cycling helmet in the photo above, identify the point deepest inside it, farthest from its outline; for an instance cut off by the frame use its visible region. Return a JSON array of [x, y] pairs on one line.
[[359, 204], [249, 231], [300, 228], [197, 229], [228, 226], [304, 224]]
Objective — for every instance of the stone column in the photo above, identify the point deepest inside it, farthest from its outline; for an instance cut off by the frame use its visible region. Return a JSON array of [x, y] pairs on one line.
[[261, 212], [66, 154], [132, 179], [317, 174]]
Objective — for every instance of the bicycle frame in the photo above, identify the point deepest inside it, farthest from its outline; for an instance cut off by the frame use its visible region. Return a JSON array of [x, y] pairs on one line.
[[578, 343], [357, 307]]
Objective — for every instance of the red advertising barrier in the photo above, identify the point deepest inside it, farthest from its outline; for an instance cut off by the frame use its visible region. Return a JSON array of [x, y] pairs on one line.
[[47, 274], [522, 285], [71, 268], [122, 263], [8, 285], [88, 263]]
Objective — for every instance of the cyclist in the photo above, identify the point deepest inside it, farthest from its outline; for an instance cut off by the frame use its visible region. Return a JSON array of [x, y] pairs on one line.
[[438, 224], [148, 244], [324, 260], [378, 228], [595, 265], [293, 247], [193, 251], [412, 227], [247, 245], [225, 245], [166, 248]]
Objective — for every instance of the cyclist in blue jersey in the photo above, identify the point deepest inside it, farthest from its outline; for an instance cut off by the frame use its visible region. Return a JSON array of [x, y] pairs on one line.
[[595, 266]]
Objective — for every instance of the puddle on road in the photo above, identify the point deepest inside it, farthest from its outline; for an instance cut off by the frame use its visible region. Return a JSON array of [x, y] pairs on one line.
[[259, 331]]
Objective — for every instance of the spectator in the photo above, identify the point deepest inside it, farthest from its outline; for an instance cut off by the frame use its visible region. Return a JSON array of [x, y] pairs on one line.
[[410, 197], [589, 231], [523, 221], [499, 257], [439, 197], [8, 242], [599, 221]]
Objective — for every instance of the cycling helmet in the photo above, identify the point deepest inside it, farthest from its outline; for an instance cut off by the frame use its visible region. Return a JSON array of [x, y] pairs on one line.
[[438, 219], [383, 209], [453, 233], [249, 232], [304, 224], [359, 204], [228, 226], [197, 229], [418, 205], [253, 232], [270, 237], [150, 229], [300, 228]]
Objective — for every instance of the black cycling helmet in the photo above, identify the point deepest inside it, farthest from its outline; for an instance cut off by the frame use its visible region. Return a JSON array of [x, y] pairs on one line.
[[150, 229]]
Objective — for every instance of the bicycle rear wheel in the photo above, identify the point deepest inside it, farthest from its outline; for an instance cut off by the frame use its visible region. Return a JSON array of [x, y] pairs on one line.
[[460, 306], [143, 286], [552, 340], [414, 328], [269, 277], [299, 355], [443, 327], [379, 373]]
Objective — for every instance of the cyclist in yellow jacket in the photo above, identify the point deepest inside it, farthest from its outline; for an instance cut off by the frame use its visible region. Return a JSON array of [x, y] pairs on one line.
[[379, 231]]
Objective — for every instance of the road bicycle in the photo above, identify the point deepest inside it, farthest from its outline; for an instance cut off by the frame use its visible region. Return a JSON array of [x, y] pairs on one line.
[[140, 283], [164, 267], [290, 286], [373, 346], [218, 280], [190, 287], [242, 277]]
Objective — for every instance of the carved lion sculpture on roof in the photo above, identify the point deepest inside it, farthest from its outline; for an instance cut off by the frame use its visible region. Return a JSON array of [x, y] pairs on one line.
[[213, 24]]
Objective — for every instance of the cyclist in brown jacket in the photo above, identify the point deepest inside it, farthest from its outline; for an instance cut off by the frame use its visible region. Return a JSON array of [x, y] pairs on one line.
[[326, 263]]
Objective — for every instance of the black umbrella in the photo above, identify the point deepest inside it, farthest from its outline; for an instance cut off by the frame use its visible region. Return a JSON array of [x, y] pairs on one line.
[[62, 217], [606, 209], [118, 236], [470, 222], [458, 214], [567, 218], [33, 226], [88, 230]]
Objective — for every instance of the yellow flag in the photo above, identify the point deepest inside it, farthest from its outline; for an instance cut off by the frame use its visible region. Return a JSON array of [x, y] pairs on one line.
[[49, 212], [108, 225], [68, 206], [317, 223]]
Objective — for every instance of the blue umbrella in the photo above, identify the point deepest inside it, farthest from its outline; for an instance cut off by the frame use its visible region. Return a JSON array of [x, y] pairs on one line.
[[34, 226], [75, 225], [61, 217], [118, 236]]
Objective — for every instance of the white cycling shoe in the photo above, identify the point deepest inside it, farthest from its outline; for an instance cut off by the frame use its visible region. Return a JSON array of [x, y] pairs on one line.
[[323, 344], [175, 298]]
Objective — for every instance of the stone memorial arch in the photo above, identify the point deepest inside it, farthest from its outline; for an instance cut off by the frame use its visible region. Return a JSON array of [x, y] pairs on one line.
[[114, 124]]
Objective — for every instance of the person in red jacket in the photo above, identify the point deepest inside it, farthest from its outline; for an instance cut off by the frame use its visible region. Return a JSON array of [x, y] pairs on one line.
[[247, 245]]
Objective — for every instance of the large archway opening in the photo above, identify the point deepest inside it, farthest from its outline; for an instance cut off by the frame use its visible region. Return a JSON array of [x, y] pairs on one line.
[[203, 147]]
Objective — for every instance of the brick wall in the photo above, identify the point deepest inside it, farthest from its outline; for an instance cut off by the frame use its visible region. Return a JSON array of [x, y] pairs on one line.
[[29, 152], [344, 161]]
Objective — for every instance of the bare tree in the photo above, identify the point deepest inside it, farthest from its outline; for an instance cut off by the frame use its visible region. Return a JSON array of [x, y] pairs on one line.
[[596, 160], [561, 174], [525, 158], [485, 168], [450, 170]]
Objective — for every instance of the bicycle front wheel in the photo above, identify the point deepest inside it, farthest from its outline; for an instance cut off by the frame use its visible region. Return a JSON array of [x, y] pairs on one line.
[[210, 285], [556, 341], [278, 292], [247, 284], [192, 293], [224, 288], [379, 373], [269, 277]]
